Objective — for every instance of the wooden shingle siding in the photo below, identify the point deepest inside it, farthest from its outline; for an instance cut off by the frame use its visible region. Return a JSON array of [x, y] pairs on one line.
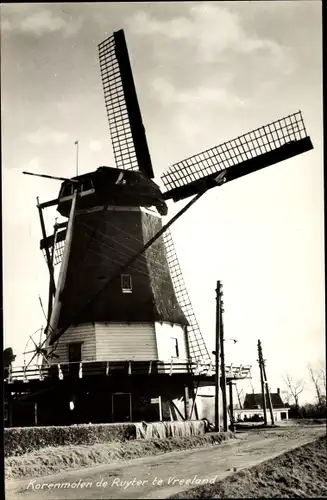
[[123, 341], [84, 333]]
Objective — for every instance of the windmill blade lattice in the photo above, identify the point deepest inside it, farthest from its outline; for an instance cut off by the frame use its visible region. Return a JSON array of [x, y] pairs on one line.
[[252, 151], [198, 348], [56, 244], [125, 121]]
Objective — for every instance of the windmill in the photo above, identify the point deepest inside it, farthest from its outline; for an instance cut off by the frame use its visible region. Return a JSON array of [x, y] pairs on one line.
[[120, 293]]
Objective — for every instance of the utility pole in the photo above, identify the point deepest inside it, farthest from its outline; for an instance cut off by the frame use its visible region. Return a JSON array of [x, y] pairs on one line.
[[262, 383], [223, 370], [267, 388], [231, 406], [217, 355], [77, 145]]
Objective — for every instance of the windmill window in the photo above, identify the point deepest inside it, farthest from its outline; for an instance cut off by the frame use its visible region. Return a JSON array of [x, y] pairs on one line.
[[67, 190], [87, 185], [175, 348], [126, 283]]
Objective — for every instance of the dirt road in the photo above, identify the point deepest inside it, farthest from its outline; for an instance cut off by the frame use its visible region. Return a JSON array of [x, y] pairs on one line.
[[167, 474]]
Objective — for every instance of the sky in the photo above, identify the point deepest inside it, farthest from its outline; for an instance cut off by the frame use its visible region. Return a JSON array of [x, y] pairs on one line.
[[205, 72]]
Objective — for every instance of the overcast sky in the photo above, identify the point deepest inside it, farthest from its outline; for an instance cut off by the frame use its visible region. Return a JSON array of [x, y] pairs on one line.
[[204, 73]]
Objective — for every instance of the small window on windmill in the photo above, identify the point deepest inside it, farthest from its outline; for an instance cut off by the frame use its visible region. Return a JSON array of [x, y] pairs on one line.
[[126, 283], [87, 185], [174, 347], [67, 190]]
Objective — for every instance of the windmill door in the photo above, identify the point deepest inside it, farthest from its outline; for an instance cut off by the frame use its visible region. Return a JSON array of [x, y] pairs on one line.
[[121, 407], [74, 358]]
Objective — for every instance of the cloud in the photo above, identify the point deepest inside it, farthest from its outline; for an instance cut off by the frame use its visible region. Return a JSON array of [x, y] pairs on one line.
[[212, 30], [33, 165], [201, 95], [38, 21], [46, 136], [95, 145], [42, 22], [6, 25]]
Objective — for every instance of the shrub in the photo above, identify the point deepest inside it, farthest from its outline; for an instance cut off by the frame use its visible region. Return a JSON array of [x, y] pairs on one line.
[[20, 440]]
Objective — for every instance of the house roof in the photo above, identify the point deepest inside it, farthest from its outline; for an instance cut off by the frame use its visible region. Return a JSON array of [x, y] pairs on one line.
[[252, 401]]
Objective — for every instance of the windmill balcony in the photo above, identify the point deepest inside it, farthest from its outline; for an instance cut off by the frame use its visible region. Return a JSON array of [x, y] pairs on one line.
[[83, 369]]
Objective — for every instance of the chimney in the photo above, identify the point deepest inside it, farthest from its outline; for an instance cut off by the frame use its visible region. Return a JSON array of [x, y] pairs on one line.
[[278, 391]]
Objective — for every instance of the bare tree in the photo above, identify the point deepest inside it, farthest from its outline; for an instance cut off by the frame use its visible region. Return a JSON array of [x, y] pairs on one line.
[[315, 377], [286, 397], [323, 375], [295, 387]]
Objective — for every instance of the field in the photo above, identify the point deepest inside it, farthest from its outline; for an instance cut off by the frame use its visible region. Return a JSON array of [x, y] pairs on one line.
[[257, 463], [298, 473], [56, 459]]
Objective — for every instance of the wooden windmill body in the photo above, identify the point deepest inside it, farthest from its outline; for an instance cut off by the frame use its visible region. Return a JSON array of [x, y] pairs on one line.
[[129, 319], [120, 300]]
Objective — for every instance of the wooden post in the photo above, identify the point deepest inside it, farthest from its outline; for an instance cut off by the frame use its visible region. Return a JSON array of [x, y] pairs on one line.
[[171, 366], [186, 402], [35, 414], [176, 410], [52, 285], [262, 383], [47, 253], [238, 396], [9, 408], [217, 357], [196, 407], [223, 375], [52, 290], [194, 395], [267, 392], [231, 408], [160, 409], [170, 412]]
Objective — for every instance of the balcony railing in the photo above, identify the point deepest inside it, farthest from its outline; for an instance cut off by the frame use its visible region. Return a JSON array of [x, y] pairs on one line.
[[129, 367]]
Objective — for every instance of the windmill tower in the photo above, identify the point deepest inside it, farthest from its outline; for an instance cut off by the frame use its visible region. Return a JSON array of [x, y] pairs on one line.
[[117, 210], [120, 295]]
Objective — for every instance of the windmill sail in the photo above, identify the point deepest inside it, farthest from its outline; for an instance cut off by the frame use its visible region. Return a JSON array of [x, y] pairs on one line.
[[56, 243], [64, 265], [253, 151], [197, 346], [125, 121]]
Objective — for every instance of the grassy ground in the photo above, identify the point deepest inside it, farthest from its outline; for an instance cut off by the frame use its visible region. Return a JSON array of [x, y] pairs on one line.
[[298, 473], [52, 460]]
